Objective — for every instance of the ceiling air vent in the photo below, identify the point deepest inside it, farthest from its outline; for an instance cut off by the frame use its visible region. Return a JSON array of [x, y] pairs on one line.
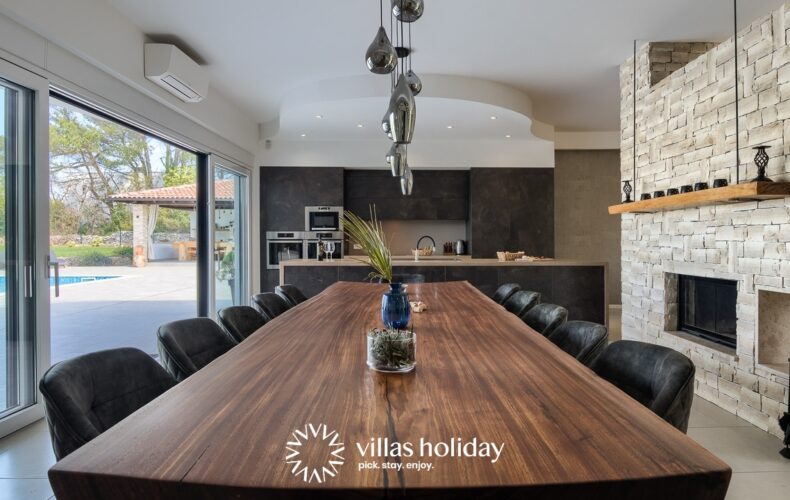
[[175, 72]]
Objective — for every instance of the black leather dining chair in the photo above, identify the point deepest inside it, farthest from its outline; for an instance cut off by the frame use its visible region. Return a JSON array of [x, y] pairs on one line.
[[581, 339], [545, 318], [291, 294], [660, 378], [504, 292], [86, 395], [240, 321], [187, 345], [270, 304], [521, 302]]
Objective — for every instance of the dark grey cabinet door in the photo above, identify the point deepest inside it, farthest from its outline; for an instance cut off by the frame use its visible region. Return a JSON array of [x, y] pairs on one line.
[[511, 209], [437, 195]]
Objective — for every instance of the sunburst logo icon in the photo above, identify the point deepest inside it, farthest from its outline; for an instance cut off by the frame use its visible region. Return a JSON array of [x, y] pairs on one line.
[[314, 453]]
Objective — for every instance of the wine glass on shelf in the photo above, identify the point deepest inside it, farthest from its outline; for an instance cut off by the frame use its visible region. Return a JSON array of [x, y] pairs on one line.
[[329, 247]]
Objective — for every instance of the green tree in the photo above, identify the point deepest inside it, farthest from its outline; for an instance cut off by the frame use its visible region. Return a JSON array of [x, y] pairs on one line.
[[93, 158], [180, 167]]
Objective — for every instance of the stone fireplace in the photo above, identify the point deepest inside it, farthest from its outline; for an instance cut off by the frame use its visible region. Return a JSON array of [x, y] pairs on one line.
[[685, 133]]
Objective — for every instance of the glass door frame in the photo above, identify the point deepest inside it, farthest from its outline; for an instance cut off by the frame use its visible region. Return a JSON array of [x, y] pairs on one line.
[[40, 219], [218, 161]]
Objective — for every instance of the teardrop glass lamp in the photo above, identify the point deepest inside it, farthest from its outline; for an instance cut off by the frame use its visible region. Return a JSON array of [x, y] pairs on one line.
[[408, 11], [385, 124], [407, 182], [397, 159], [402, 112], [381, 57], [415, 84]]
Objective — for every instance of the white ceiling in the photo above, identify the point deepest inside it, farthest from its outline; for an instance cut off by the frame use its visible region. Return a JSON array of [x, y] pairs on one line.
[[563, 53]]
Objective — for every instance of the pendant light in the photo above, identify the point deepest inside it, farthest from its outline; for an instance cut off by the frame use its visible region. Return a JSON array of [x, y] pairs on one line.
[[385, 57], [402, 112], [407, 182], [397, 159], [407, 11], [381, 57]]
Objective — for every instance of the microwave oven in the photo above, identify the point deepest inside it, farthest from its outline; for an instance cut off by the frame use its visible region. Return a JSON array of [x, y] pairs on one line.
[[323, 218]]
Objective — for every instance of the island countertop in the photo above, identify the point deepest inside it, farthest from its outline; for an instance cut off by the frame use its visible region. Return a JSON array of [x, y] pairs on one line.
[[443, 261], [579, 286]]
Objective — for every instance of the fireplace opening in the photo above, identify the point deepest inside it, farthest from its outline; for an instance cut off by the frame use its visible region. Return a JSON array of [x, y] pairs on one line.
[[706, 308]]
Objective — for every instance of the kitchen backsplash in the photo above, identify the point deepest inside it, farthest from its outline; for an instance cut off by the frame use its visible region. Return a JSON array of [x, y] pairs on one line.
[[403, 235]]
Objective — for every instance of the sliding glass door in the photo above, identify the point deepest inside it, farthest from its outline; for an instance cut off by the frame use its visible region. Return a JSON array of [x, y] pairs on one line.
[[230, 236], [20, 362]]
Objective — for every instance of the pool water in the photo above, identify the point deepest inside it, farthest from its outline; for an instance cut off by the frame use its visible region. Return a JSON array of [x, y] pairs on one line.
[[66, 280]]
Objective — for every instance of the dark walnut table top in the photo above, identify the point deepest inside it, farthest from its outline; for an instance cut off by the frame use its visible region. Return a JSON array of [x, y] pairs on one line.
[[484, 381]]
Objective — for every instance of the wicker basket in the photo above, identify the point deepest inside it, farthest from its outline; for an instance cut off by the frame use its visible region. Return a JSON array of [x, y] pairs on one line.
[[422, 252], [509, 256]]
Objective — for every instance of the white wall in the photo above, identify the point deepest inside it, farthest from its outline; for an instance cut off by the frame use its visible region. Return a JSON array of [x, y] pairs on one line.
[[425, 154], [62, 36]]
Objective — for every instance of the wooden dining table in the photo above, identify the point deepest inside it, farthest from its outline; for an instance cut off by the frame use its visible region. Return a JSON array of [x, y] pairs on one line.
[[295, 412]]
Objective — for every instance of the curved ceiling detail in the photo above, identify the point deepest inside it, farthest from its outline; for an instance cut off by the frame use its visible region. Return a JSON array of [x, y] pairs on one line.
[[449, 108]]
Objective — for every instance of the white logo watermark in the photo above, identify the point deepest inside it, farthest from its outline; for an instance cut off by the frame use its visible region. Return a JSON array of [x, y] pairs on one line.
[[318, 464]]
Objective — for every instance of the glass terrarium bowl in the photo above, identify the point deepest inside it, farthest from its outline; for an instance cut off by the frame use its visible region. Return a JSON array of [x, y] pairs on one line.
[[392, 351]]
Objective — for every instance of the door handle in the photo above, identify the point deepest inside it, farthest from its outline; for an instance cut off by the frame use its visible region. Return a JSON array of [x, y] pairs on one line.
[[56, 266]]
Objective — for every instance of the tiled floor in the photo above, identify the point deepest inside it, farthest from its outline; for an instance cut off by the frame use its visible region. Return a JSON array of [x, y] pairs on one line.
[[759, 472]]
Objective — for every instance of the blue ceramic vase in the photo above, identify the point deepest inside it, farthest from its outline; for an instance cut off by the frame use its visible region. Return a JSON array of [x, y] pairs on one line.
[[395, 308]]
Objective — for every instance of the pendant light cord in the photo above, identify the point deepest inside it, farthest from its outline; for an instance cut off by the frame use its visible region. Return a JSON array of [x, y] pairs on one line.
[[409, 46], [401, 34], [634, 131], [737, 114]]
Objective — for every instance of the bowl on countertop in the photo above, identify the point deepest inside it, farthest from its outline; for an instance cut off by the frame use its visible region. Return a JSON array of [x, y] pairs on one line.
[[422, 252], [509, 256]]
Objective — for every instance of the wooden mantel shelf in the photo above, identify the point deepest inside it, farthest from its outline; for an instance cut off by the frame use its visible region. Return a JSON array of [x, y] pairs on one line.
[[728, 194]]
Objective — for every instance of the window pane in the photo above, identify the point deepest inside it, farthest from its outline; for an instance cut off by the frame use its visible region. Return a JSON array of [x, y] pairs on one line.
[[229, 200], [17, 345], [123, 231]]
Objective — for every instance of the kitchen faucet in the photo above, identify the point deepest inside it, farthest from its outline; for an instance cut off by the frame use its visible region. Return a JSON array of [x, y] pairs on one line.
[[417, 253]]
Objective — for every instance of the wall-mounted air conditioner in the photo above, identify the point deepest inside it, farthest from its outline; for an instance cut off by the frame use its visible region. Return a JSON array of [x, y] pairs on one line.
[[174, 71]]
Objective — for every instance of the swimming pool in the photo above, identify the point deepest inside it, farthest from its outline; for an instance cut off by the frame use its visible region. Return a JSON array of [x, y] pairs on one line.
[[66, 280]]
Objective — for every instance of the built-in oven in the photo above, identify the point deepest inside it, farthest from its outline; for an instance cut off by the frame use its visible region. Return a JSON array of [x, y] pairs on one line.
[[282, 246], [323, 218], [313, 237]]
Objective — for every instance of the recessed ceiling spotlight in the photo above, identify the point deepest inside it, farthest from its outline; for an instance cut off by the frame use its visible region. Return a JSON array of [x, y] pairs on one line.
[[359, 125], [304, 135], [507, 136], [449, 126], [493, 117], [319, 116]]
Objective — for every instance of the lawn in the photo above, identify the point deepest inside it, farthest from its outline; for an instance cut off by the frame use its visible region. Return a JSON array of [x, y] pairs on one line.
[[64, 251]]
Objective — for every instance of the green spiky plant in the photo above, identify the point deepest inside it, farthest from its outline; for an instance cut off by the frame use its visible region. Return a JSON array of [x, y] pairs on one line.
[[370, 236]]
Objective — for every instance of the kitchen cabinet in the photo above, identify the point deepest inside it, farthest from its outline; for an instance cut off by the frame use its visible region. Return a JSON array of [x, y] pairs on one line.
[[437, 195], [284, 193], [511, 209]]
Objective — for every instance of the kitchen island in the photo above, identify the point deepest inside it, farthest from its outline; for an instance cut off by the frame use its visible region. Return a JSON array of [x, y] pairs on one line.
[[579, 286]]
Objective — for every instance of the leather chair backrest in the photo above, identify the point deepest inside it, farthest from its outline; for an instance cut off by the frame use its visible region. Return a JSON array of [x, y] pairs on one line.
[[505, 291], [270, 304], [86, 395], [581, 339], [291, 294], [521, 302], [658, 377], [545, 318], [187, 345], [240, 321]]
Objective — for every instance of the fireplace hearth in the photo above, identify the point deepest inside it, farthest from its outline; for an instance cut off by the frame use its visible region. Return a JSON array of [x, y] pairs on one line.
[[706, 308]]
